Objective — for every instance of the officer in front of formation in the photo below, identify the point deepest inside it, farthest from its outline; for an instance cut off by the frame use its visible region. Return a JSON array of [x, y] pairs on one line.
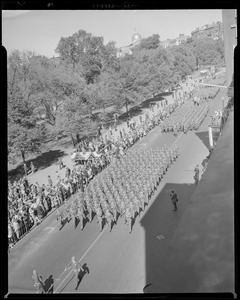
[[196, 174]]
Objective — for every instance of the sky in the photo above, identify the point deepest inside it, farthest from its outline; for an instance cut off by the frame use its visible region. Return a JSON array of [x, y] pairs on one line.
[[41, 30]]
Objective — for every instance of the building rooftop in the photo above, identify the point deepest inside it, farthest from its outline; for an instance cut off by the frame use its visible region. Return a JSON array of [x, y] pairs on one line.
[[136, 37]]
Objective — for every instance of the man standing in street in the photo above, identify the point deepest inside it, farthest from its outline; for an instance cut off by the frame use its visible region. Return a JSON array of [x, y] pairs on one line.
[[32, 167], [196, 174], [25, 169], [76, 267], [174, 200]]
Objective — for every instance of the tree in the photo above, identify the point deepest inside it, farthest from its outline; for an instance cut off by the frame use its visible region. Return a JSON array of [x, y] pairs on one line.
[[183, 61], [151, 42], [208, 51], [75, 118], [85, 53], [25, 135]]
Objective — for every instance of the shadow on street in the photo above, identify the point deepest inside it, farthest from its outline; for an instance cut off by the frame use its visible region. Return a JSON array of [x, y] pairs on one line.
[[48, 285], [203, 136], [80, 276], [160, 224]]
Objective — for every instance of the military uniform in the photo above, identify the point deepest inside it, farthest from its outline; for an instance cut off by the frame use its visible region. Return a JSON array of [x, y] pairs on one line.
[[129, 216], [196, 175], [89, 207], [68, 212], [99, 214], [73, 211], [80, 213], [60, 217]]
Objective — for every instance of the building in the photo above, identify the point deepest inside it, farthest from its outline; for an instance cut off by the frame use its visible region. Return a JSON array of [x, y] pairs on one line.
[[136, 39], [229, 17], [174, 42], [166, 43], [182, 38], [213, 31], [55, 59]]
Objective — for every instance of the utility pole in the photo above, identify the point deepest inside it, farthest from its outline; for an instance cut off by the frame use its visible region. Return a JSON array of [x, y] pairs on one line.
[[126, 100]]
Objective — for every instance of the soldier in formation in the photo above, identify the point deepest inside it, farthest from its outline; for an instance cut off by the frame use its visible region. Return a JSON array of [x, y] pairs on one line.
[[123, 189], [186, 117]]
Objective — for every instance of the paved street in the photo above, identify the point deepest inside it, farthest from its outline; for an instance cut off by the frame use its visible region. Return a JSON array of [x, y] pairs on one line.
[[116, 260]]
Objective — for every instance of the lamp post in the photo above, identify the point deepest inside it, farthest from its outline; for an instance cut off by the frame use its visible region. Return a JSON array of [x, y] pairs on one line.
[[223, 102], [126, 101], [210, 135]]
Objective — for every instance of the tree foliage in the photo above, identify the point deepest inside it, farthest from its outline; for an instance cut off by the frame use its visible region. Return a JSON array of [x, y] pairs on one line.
[[208, 51], [151, 42], [88, 75]]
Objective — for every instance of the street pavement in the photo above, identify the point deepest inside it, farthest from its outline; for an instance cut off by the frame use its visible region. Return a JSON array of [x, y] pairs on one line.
[[117, 260]]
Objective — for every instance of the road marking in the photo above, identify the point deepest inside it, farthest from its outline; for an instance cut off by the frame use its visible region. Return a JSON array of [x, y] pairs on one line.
[[176, 139], [50, 228], [160, 237], [81, 258]]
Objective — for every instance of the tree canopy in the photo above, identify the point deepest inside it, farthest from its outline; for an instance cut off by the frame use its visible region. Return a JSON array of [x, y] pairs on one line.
[[151, 42], [64, 91]]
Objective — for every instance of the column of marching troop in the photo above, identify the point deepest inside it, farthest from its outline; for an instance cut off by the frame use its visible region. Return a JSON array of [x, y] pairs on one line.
[[186, 117], [123, 189]]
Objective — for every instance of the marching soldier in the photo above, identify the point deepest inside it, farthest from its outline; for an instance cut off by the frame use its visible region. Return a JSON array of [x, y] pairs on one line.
[[60, 218], [196, 175], [73, 211], [109, 218], [142, 200], [80, 213], [99, 214], [68, 212], [89, 207], [129, 216]]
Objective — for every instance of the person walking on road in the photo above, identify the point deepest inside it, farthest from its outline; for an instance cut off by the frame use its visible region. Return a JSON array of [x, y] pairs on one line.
[[76, 267], [25, 169], [38, 284], [174, 200]]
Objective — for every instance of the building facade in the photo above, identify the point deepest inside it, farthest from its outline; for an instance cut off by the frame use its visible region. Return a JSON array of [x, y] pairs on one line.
[[136, 39], [174, 42], [214, 31], [229, 17]]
